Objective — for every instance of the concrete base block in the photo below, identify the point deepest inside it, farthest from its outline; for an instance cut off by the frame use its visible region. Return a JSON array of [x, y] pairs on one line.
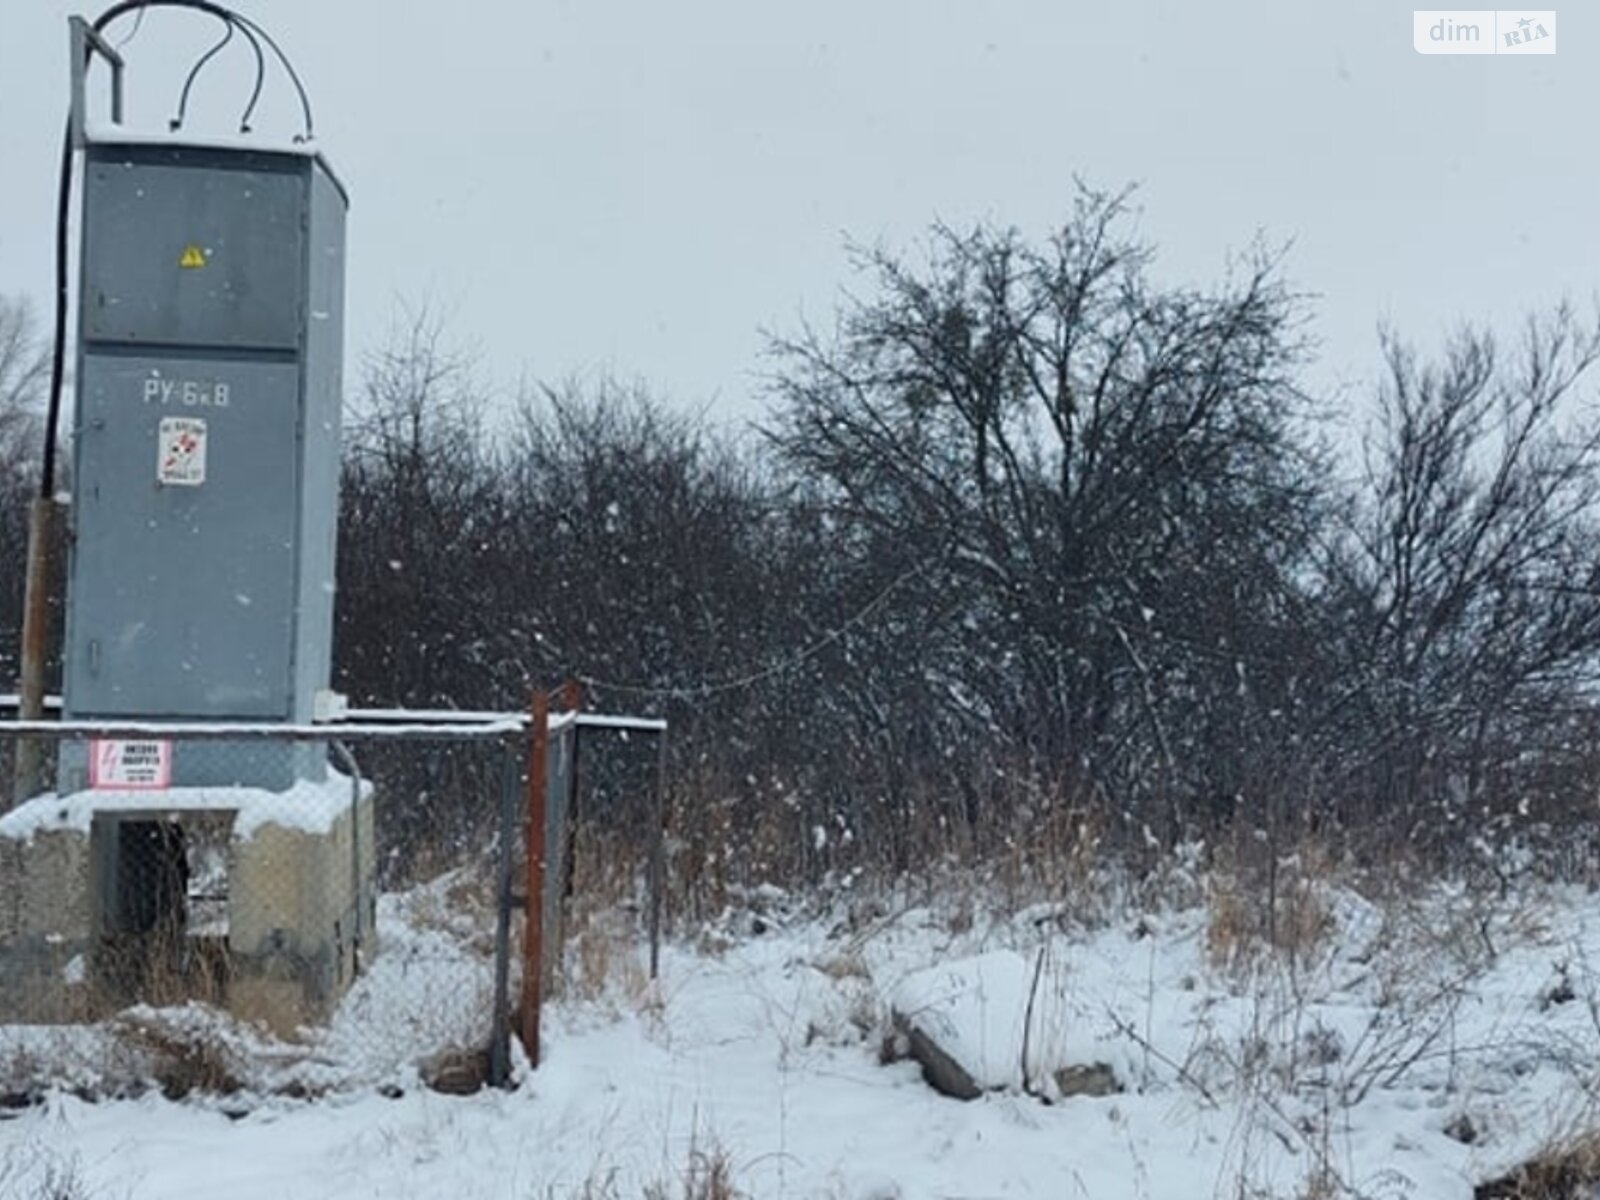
[[44, 981], [300, 910]]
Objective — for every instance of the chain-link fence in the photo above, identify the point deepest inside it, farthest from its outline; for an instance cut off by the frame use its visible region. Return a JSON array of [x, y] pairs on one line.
[[335, 902], [597, 878], [301, 908]]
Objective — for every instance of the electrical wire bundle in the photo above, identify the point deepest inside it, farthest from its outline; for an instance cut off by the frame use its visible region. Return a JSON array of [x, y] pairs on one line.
[[233, 24]]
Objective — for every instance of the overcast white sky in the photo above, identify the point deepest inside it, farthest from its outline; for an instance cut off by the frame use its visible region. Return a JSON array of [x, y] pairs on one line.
[[592, 185]]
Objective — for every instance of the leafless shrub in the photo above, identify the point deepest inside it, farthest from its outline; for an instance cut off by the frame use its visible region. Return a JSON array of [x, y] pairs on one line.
[[186, 1051], [1567, 1167]]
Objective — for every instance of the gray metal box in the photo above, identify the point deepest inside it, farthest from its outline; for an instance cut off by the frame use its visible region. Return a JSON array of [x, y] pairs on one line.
[[206, 442]]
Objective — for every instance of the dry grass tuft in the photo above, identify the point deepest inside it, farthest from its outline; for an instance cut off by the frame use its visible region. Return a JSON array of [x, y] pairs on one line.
[[708, 1176], [74, 1059], [1321, 1184], [185, 1057], [602, 935], [598, 1185], [23, 1072], [602, 958], [1567, 1168], [1250, 916], [459, 903], [846, 965], [1056, 851]]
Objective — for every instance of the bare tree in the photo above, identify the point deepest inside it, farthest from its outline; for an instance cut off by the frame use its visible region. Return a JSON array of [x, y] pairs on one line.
[[417, 499], [24, 370], [1475, 579], [1099, 483]]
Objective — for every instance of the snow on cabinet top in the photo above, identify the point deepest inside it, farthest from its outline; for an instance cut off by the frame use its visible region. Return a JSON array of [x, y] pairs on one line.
[[108, 133], [307, 807]]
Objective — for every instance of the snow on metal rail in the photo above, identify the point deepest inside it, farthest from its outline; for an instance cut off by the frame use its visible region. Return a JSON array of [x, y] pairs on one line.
[[363, 723], [557, 720], [228, 731]]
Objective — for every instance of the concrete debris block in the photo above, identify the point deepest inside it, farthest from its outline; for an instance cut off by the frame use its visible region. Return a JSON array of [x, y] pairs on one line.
[[944, 1074], [1095, 1079], [456, 1072], [971, 1022], [964, 1022]]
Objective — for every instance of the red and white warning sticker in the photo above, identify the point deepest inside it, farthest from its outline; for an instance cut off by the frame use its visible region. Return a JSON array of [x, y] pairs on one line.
[[133, 765], [182, 445]]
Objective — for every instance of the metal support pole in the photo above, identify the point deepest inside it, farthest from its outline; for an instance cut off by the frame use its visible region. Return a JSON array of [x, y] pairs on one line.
[[533, 927], [357, 879], [43, 516], [571, 815], [86, 42], [500, 1029], [658, 855]]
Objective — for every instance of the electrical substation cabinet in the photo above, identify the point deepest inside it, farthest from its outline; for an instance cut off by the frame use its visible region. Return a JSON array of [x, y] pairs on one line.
[[206, 440]]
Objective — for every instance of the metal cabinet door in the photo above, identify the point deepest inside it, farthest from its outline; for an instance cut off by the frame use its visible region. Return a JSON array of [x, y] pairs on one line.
[[191, 254], [182, 599]]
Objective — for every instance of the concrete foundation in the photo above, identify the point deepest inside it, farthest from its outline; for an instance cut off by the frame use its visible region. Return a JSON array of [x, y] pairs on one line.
[[279, 943], [304, 920], [46, 928]]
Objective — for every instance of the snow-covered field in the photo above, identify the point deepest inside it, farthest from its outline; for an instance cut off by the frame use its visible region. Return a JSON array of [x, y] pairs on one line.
[[1406, 1049]]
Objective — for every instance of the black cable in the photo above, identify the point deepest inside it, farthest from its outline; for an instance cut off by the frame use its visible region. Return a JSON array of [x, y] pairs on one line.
[[124, 7], [58, 365], [248, 27], [194, 72], [138, 24], [261, 75], [288, 67]]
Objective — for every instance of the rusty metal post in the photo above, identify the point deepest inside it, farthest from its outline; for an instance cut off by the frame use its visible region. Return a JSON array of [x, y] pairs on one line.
[[42, 522], [533, 927]]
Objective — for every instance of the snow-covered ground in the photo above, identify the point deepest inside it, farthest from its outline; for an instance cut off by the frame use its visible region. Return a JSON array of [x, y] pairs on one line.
[[1416, 1048]]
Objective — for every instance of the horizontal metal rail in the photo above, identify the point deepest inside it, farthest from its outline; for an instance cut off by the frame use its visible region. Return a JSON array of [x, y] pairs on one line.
[[370, 720], [255, 732]]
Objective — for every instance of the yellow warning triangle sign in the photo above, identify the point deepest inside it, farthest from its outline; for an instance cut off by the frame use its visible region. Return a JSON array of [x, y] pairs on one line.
[[192, 256]]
